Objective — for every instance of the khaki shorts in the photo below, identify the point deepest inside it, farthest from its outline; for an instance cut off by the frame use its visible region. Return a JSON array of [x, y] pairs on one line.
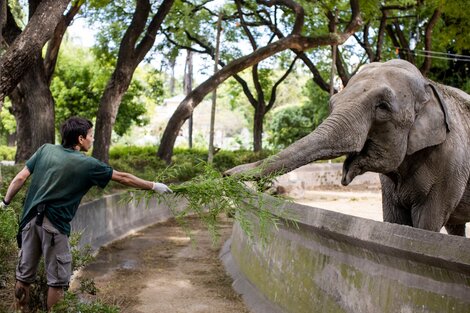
[[48, 241]]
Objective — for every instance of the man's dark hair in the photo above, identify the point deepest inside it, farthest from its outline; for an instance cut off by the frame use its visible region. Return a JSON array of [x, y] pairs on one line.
[[73, 128]]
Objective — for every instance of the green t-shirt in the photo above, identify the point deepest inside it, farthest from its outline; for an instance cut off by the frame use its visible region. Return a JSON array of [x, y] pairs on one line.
[[60, 178]]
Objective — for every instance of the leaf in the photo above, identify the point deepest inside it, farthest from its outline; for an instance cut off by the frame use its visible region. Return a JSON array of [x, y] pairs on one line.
[[210, 195]]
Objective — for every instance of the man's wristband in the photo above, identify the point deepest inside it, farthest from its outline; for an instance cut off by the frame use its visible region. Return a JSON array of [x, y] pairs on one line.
[[4, 202]]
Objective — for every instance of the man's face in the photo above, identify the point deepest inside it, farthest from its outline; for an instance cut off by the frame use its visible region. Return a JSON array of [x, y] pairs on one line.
[[85, 143]]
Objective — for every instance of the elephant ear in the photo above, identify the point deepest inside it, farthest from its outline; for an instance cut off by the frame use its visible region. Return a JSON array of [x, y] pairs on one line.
[[431, 125]]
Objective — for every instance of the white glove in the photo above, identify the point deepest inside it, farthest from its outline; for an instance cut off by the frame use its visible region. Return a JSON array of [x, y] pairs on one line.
[[3, 205], [161, 188]]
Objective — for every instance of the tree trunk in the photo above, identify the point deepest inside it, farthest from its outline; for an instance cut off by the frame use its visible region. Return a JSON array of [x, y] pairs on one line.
[[109, 106], [258, 128], [33, 106], [20, 55], [131, 53], [426, 67]]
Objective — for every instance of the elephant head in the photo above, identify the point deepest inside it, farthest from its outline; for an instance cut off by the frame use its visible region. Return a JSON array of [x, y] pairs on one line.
[[386, 112]]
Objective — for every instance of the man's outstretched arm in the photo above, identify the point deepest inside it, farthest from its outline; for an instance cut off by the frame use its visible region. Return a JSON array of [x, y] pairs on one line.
[[136, 182]]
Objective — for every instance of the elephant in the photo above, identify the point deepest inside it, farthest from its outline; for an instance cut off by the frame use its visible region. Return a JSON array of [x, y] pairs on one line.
[[414, 132]]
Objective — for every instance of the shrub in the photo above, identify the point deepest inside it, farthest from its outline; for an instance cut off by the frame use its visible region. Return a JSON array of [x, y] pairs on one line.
[[7, 153], [142, 161], [8, 224]]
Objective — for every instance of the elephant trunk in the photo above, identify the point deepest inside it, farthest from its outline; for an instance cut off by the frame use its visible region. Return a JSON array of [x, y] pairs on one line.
[[343, 132]]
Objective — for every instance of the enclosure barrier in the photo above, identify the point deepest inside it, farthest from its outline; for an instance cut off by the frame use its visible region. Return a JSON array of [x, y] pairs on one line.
[[110, 218], [329, 262], [333, 262]]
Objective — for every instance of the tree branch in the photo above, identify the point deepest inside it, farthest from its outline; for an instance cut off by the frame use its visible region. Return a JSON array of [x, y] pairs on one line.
[[428, 41], [317, 78], [293, 41], [181, 46], [245, 28], [381, 36], [149, 39], [19, 56], [53, 46], [272, 99], [404, 42], [295, 7], [209, 50], [127, 49]]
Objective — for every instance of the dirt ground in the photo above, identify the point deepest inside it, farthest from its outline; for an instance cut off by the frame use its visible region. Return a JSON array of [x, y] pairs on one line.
[[159, 269], [357, 200]]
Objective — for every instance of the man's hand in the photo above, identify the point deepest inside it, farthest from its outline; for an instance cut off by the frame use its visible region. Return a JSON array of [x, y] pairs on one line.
[[3, 204], [161, 188]]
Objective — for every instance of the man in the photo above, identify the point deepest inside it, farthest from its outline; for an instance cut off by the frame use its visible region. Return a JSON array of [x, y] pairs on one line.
[[61, 176]]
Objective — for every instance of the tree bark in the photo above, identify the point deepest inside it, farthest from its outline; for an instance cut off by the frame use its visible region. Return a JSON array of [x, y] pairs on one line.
[[20, 55], [33, 108], [428, 41], [52, 51], [32, 102], [109, 106], [293, 41], [258, 128], [131, 53]]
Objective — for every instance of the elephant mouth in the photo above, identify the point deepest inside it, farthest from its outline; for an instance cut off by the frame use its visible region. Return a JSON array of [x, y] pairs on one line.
[[350, 168]]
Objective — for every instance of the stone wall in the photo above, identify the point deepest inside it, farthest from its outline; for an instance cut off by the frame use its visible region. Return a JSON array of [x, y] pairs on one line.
[[320, 174], [334, 262], [110, 218]]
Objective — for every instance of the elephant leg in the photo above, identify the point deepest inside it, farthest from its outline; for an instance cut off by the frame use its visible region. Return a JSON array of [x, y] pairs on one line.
[[426, 218], [397, 215], [456, 230], [393, 212]]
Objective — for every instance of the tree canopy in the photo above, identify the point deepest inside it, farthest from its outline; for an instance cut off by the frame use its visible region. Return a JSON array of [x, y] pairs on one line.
[[265, 44]]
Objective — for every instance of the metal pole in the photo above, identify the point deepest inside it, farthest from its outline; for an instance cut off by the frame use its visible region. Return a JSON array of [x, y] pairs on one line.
[[333, 58], [188, 87], [210, 157]]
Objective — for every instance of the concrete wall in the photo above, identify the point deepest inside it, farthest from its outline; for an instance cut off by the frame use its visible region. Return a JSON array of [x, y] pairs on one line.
[[107, 219], [312, 175], [334, 262]]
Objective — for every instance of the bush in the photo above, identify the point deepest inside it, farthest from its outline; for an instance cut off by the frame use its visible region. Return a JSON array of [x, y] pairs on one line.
[[142, 161], [9, 224], [7, 153]]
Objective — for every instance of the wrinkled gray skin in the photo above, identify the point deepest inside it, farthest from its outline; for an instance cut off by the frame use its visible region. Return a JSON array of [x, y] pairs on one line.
[[414, 132]]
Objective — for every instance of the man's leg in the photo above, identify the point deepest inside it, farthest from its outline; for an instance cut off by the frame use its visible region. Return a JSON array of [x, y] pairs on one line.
[[58, 262], [26, 269], [54, 295], [22, 296]]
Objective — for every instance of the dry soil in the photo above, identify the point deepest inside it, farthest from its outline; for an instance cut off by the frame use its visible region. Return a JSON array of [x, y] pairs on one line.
[[160, 269]]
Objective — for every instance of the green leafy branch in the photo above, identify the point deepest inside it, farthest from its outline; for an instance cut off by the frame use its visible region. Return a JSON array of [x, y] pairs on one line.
[[209, 195]]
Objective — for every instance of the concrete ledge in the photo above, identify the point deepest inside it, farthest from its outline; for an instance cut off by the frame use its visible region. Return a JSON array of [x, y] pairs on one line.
[[310, 176], [107, 219], [334, 262]]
